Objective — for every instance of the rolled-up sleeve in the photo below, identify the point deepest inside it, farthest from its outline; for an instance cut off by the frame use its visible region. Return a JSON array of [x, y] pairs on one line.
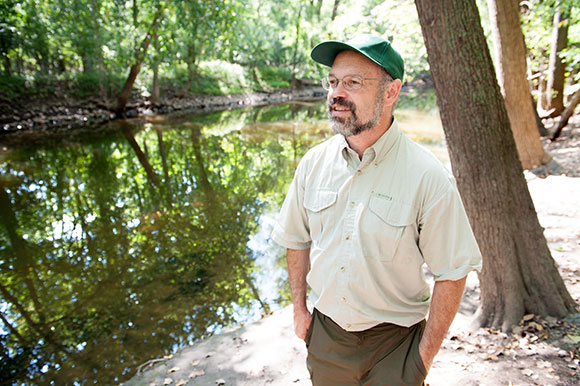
[[291, 229], [446, 240]]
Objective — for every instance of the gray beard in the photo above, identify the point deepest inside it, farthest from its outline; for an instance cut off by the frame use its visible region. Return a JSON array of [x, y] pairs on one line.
[[348, 126]]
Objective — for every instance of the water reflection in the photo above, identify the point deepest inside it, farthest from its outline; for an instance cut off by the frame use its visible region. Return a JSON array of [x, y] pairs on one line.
[[127, 246]]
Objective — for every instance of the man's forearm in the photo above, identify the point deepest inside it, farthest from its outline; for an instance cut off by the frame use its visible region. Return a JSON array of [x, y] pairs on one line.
[[447, 296], [298, 265]]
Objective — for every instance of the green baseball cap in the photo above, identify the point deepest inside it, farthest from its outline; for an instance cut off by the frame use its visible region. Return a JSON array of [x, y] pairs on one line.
[[373, 47]]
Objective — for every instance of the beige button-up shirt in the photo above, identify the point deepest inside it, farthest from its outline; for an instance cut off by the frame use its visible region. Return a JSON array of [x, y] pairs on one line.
[[371, 224]]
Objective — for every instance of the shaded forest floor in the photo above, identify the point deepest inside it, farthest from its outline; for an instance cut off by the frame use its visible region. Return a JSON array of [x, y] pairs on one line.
[[540, 351]]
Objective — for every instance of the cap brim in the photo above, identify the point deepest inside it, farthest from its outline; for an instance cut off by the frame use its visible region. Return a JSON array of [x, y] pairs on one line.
[[325, 52]]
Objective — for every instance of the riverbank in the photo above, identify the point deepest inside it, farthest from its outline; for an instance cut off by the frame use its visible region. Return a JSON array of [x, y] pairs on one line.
[[51, 114], [541, 351]]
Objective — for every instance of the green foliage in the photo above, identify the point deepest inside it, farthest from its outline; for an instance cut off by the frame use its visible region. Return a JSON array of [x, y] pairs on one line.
[[537, 24], [225, 46], [84, 85], [12, 87], [419, 100], [275, 77]]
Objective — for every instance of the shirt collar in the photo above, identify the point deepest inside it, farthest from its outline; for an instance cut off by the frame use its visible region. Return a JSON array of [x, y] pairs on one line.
[[380, 148]]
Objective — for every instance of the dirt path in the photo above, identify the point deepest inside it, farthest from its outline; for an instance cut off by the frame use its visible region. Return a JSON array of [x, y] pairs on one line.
[[539, 352]]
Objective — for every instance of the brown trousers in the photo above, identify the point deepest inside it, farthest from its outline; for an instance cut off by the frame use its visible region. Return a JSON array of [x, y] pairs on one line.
[[385, 355]]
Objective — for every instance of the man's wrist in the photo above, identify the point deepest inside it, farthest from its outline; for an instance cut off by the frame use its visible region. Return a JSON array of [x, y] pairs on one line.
[[300, 308]]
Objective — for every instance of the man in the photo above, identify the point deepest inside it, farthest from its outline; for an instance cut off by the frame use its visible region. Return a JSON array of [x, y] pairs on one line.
[[365, 211]]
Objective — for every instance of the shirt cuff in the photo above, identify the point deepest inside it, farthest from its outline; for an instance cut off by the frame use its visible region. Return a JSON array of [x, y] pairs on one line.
[[458, 273], [279, 237]]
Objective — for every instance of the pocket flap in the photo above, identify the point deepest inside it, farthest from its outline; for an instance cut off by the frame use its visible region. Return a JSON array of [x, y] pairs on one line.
[[316, 200], [392, 212]]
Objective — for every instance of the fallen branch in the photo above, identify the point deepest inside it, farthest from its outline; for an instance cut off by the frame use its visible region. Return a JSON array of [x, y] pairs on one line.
[[566, 114], [152, 362]]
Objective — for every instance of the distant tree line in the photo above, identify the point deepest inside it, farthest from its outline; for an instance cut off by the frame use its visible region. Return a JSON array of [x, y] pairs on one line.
[[108, 47]]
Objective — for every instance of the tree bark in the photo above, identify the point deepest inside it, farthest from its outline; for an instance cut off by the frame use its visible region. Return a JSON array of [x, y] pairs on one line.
[[566, 115], [335, 10], [140, 53], [296, 46], [556, 68], [519, 275], [155, 92], [541, 127], [511, 67], [191, 70]]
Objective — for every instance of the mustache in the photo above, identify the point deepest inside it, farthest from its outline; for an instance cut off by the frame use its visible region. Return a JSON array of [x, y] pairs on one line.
[[341, 102]]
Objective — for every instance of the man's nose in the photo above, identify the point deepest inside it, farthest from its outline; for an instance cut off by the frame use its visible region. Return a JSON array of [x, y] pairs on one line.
[[338, 92]]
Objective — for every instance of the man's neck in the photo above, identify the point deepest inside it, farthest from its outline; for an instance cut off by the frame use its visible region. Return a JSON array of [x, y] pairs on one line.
[[362, 141]]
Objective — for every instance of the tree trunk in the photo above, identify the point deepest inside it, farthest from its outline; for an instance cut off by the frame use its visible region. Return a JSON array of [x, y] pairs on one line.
[[541, 127], [203, 177], [335, 10], [155, 67], [140, 53], [163, 155], [542, 102], [141, 156], [155, 92], [556, 69], [318, 9], [7, 65], [511, 67], [125, 93], [296, 45], [566, 115], [519, 275], [191, 70]]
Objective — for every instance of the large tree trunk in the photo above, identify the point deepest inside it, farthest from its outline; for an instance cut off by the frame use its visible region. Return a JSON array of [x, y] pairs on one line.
[[556, 69], [519, 275], [140, 53], [510, 54]]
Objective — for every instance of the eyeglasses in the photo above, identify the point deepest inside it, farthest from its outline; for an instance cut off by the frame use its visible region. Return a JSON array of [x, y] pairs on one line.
[[349, 82]]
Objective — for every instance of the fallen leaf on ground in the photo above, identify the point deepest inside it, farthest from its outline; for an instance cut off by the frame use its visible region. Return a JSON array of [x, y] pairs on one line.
[[167, 381], [527, 372], [528, 317], [181, 382], [195, 362], [220, 382], [573, 338], [196, 373], [172, 370], [544, 364]]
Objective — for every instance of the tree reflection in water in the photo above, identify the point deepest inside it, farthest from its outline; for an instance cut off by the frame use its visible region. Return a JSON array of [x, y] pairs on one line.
[[121, 249]]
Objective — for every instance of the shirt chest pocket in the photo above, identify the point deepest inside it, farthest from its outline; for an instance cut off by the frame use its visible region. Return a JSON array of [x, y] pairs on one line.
[[384, 227], [319, 204]]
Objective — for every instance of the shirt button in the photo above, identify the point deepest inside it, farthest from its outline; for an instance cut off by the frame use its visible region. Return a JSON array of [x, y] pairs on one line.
[[352, 203], [343, 299], [342, 269], [347, 238], [348, 325], [359, 172]]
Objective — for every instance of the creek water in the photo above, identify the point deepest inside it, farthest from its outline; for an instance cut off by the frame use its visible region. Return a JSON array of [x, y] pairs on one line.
[[125, 246]]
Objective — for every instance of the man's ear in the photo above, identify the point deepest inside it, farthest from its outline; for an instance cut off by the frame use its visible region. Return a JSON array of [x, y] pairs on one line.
[[392, 92]]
